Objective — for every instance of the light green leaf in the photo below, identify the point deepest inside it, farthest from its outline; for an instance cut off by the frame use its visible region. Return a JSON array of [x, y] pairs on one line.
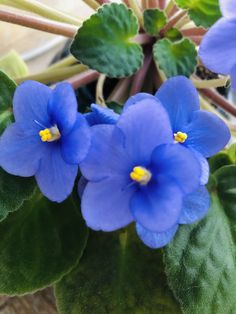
[[105, 41], [173, 34], [201, 261], [39, 244], [154, 21], [13, 65], [178, 58], [232, 153], [117, 274], [203, 12], [7, 89]]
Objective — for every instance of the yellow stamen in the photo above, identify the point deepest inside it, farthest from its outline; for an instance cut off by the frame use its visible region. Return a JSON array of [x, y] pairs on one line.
[[180, 137], [50, 135], [140, 175]]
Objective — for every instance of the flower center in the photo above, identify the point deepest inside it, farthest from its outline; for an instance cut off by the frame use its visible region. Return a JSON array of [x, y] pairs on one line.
[[180, 137], [140, 175], [50, 135]]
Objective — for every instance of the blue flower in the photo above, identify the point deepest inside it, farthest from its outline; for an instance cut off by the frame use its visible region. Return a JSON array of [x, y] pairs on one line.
[[136, 173], [101, 115], [48, 140], [218, 48]]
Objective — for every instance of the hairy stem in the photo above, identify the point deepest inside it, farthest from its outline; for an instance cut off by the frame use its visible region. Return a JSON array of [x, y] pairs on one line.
[[101, 2], [43, 10], [162, 4], [99, 90], [83, 78], [171, 6], [153, 4], [67, 61], [133, 4], [54, 75], [93, 4], [219, 100], [120, 91], [194, 31], [38, 23], [172, 22], [143, 39]]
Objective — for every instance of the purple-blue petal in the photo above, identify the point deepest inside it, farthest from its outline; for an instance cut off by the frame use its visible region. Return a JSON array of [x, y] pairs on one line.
[[228, 8], [105, 204], [20, 151], [62, 107], [233, 77], [195, 206], [106, 156], [101, 115], [81, 185], [55, 177], [75, 145], [180, 98], [178, 164], [157, 207], [30, 105], [205, 169], [136, 99], [207, 133], [218, 48], [155, 240], [144, 127]]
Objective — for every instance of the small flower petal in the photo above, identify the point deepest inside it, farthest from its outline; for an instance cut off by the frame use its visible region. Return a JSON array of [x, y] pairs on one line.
[[55, 177], [62, 107], [101, 115], [81, 185], [144, 127], [75, 145], [207, 133], [217, 50], [157, 207], [205, 169], [155, 240], [30, 104], [180, 98], [195, 206], [105, 204], [228, 8], [20, 152], [233, 77], [136, 99], [178, 164]]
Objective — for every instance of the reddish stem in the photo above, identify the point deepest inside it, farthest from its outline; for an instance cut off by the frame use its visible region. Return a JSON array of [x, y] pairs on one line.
[[162, 4], [195, 31], [103, 1], [173, 11], [219, 100], [172, 22], [83, 78], [143, 39], [139, 77], [38, 23], [153, 4], [196, 39]]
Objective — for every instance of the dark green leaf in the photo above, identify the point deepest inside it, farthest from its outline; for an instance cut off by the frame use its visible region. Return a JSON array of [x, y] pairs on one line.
[[105, 41], [178, 58], [115, 106], [39, 244], [7, 89], [201, 261], [218, 161], [173, 34], [154, 21], [117, 274], [202, 12], [232, 153]]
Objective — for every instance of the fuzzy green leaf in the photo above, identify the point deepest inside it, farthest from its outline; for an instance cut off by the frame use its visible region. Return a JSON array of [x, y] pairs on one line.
[[39, 244], [178, 58], [232, 153], [117, 274], [7, 89], [173, 34], [105, 41], [202, 12], [218, 161], [201, 261], [154, 21]]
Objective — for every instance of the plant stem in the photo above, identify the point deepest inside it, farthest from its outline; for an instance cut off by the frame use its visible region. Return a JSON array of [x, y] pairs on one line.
[[93, 4], [183, 21], [43, 10], [218, 100], [143, 39], [54, 75], [139, 77], [137, 11], [172, 22], [99, 90], [101, 2], [162, 4], [196, 39], [120, 91], [221, 82], [153, 4], [195, 31], [83, 78], [38, 23], [67, 61], [170, 7]]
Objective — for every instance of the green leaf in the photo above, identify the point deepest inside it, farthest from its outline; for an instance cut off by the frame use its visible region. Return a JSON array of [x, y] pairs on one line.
[[117, 274], [232, 153], [203, 12], [39, 244], [13, 65], [105, 41], [154, 21], [218, 161], [7, 89], [13, 192], [178, 58], [201, 260], [173, 34], [115, 106]]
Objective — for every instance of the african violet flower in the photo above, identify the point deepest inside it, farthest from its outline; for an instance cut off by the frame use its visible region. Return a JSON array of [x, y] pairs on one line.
[[136, 173], [218, 47], [48, 139]]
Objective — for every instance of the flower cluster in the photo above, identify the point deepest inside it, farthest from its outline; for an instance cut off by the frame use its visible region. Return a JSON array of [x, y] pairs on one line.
[[147, 165], [223, 36]]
